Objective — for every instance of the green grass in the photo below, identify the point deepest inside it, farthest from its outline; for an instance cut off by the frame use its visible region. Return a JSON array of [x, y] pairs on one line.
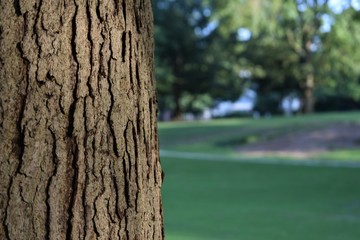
[[230, 200], [208, 200]]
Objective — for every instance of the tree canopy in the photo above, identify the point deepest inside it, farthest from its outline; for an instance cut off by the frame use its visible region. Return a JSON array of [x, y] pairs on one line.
[[192, 66], [210, 50]]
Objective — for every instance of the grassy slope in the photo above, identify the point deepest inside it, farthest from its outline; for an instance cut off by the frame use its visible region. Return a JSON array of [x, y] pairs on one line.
[[222, 136], [230, 200]]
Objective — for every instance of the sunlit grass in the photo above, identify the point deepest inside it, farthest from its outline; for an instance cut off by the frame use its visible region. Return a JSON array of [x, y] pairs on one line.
[[341, 155]]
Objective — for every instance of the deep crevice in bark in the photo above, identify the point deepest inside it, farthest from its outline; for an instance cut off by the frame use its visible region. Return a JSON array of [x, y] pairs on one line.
[[137, 19], [130, 64], [74, 93], [86, 165], [124, 11], [137, 75], [127, 175], [112, 220], [136, 163], [112, 101], [93, 144], [40, 82], [126, 180], [88, 15], [17, 7], [103, 189], [94, 216], [117, 205], [127, 234], [49, 183], [123, 50], [20, 128], [147, 153], [71, 141], [74, 154], [98, 11], [116, 6], [21, 135]]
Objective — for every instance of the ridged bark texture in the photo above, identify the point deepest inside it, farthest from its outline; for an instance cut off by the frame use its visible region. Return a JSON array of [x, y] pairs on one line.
[[78, 137]]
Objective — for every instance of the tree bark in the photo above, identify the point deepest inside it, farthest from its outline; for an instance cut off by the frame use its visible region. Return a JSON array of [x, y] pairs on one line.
[[78, 137]]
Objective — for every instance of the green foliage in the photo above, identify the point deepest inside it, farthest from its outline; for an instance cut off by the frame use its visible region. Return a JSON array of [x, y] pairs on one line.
[[293, 46], [292, 42], [192, 67], [341, 74]]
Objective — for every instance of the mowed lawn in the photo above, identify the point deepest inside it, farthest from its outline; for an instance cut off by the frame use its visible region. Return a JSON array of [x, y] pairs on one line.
[[235, 200]]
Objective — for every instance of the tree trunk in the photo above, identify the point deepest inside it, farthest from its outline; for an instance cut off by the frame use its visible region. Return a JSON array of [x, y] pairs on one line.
[[308, 103], [79, 149], [177, 112]]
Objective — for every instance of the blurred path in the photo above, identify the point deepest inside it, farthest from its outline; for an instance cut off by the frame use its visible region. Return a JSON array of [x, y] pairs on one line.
[[219, 157], [306, 144]]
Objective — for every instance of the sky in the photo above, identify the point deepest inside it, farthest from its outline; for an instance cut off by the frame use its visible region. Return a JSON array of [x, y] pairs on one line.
[[339, 5]]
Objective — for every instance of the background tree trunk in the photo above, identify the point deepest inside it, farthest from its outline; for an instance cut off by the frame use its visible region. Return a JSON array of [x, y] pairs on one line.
[[308, 102], [79, 149]]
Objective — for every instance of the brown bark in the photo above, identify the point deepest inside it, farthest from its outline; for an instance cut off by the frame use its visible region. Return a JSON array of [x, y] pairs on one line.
[[79, 149]]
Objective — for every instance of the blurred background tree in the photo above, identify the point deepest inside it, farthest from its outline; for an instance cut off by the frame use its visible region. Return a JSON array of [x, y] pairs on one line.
[[208, 50], [193, 64]]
